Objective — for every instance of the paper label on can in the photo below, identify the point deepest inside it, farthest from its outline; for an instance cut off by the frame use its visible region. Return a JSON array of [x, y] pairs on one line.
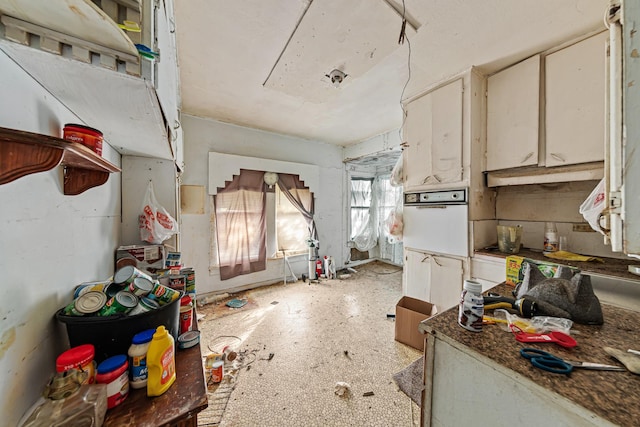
[[117, 390]]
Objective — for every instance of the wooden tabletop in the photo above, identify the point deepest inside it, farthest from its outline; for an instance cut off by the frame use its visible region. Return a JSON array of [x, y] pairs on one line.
[[181, 402]]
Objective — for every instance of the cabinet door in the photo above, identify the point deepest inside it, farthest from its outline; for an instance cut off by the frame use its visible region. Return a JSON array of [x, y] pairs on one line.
[[417, 269], [433, 131], [433, 278], [512, 116], [575, 103], [445, 282]]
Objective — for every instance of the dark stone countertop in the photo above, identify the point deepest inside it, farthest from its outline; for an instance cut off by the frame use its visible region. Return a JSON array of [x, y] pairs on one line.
[[615, 267], [611, 395]]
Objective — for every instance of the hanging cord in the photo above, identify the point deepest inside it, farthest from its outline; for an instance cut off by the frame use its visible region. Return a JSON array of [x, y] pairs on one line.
[[401, 39]]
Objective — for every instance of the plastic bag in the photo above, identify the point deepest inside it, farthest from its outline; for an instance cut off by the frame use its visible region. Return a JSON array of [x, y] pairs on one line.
[[534, 325], [394, 224], [592, 207], [396, 173], [156, 225]]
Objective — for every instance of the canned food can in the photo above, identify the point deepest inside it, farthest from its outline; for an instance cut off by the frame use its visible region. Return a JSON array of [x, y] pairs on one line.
[[90, 286], [190, 275], [122, 302], [87, 303], [144, 305], [178, 282], [140, 287], [163, 294], [127, 274]]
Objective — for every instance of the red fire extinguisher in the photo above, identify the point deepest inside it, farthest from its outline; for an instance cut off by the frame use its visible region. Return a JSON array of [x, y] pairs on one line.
[[318, 268]]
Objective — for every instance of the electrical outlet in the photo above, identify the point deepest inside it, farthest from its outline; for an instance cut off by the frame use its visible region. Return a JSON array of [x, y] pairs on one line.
[[582, 227]]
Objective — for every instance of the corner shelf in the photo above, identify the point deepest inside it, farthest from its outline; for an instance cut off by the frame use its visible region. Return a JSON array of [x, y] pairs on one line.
[[23, 153]]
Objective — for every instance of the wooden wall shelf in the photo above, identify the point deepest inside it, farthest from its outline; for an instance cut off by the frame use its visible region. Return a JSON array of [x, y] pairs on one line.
[[23, 153]]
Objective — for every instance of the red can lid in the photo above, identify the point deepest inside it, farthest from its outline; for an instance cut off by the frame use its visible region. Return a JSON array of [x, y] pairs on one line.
[[83, 128], [185, 300], [74, 357]]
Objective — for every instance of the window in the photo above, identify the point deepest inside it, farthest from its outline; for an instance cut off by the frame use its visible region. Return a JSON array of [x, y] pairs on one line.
[[360, 204], [292, 230], [252, 222]]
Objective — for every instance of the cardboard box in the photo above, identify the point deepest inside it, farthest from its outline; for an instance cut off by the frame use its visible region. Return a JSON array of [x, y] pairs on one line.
[[145, 257], [515, 273], [409, 313]]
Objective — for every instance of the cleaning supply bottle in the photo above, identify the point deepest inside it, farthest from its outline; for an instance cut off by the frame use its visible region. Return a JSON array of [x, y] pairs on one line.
[[161, 362], [550, 237]]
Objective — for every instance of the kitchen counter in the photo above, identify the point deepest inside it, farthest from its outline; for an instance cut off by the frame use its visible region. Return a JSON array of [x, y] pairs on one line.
[[610, 267], [601, 395]]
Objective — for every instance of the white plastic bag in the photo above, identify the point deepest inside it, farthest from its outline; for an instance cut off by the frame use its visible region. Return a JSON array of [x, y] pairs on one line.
[[394, 225], [156, 225], [592, 207], [396, 173]]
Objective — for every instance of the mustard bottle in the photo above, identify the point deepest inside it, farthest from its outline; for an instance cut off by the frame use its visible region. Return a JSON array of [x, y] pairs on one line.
[[161, 362]]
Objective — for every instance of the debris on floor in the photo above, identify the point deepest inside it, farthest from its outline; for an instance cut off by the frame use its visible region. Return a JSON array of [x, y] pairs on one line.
[[367, 394], [344, 276], [236, 303], [342, 389], [211, 299]]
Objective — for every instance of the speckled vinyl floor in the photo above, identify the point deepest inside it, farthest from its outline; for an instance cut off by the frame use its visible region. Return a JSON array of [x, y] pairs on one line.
[[318, 334]]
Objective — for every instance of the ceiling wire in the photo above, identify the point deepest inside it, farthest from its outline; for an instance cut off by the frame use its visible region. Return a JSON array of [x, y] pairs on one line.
[[401, 40]]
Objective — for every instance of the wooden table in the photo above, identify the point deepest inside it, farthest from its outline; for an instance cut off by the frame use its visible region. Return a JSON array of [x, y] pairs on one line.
[[177, 407]]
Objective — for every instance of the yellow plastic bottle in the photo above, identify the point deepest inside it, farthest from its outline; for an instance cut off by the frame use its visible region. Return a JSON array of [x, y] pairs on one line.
[[161, 362]]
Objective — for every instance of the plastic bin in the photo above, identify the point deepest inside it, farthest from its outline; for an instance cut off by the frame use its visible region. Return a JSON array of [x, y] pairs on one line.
[[112, 335]]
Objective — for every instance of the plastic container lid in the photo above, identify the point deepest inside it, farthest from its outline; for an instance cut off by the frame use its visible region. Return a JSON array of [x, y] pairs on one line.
[[83, 128], [75, 356], [112, 363], [143, 337], [188, 339], [185, 300], [472, 286]]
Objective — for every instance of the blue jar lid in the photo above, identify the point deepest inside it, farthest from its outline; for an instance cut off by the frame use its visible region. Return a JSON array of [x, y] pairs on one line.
[[112, 363], [143, 337]]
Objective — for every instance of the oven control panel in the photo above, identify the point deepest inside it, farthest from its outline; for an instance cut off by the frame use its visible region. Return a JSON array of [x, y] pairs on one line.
[[445, 197]]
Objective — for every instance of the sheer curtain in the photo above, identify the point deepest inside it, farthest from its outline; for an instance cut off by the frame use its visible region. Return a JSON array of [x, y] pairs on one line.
[[241, 224], [364, 229], [301, 197]]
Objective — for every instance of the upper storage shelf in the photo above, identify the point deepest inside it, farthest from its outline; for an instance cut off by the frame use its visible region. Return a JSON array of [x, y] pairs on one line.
[[23, 153], [81, 24], [79, 51]]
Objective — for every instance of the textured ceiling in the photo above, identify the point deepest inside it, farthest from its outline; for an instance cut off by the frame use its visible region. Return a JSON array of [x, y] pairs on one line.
[[262, 63]]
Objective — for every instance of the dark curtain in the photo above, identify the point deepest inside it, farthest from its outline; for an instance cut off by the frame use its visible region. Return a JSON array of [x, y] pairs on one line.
[[241, 225]]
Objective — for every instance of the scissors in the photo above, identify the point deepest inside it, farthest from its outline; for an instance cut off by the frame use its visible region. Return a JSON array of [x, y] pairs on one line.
[[559, 338], [548, 362]]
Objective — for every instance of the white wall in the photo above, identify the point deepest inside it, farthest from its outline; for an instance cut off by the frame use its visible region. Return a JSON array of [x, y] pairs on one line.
[[50, 243], [201, 137]]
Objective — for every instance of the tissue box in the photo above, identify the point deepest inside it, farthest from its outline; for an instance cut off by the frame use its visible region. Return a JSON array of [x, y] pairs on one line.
[[515, 273], [144, 257]]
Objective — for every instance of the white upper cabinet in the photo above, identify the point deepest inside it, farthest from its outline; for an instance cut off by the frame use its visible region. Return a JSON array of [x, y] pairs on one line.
[[575, 103], [512, 116], [433, 132]]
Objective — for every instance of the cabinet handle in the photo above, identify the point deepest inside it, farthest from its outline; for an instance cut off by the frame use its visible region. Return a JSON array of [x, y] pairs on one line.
[[425, 258], [435, 259], [557, 157], [424, 181], [527, 157]]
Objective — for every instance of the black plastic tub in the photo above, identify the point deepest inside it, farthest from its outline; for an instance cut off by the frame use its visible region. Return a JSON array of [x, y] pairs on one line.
[[111, 335]]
